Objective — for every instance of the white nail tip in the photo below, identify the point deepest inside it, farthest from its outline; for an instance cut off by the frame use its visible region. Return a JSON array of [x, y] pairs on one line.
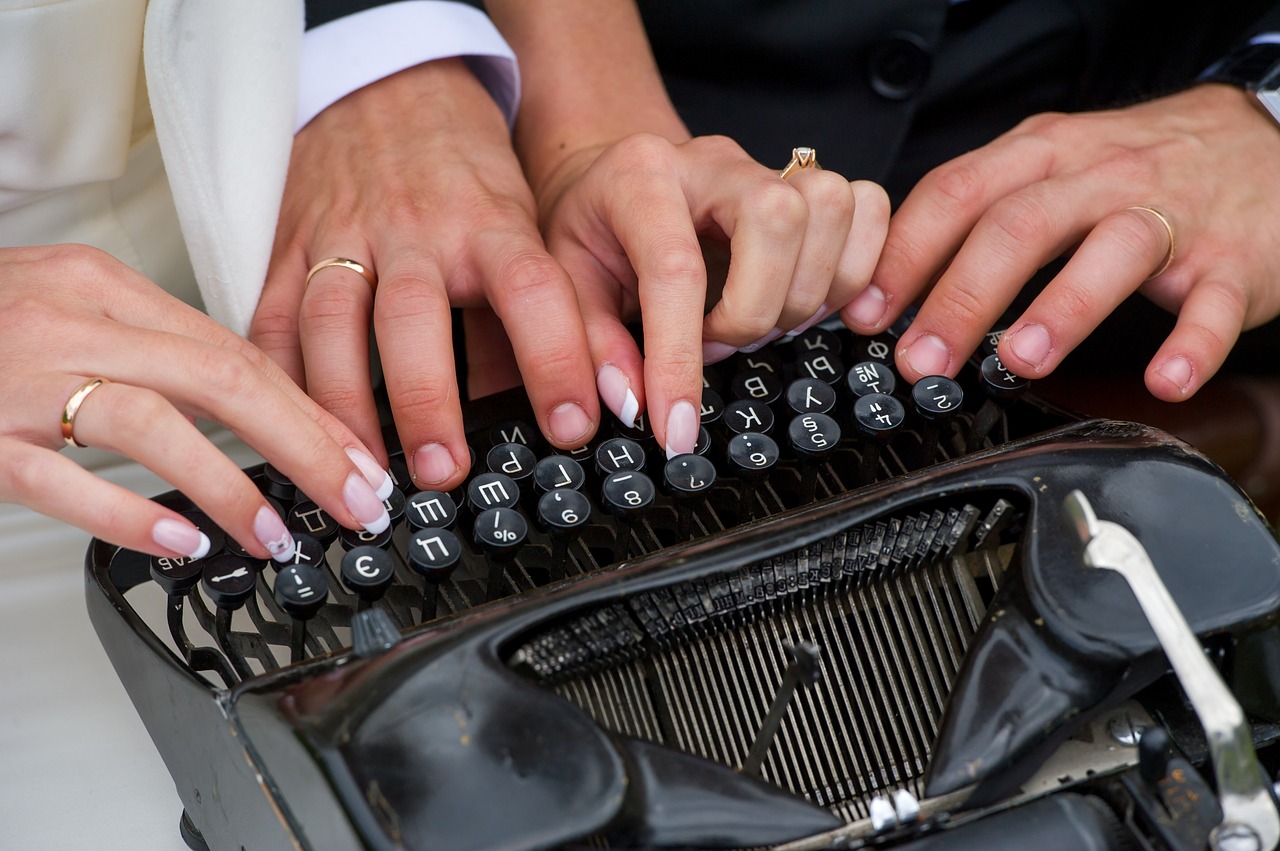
[[630, 407], [202, 549], [387, 486], [380, 525]]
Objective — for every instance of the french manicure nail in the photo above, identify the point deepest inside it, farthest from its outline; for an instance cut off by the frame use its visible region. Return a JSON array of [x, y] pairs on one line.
[[928, 355], [364, 505], [433, 464], [179, 537], [271, 532], [568, 423], [763, 341], [823, 313], [378, 478], [868, 308], [682, 428], [615, 390], [1030, 343], [1177, 370], [713, 352]]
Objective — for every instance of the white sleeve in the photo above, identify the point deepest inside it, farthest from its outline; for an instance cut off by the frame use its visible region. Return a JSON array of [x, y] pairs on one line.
[[351, 52]]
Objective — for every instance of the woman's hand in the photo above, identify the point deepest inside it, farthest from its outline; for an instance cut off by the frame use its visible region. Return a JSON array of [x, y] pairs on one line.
[[73, 314]]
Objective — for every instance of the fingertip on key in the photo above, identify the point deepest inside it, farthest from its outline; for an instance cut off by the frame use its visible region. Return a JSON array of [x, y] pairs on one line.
[[569, 424], [181, 538], [866, 310], [682, 428], [615, 390], [1177, 371], [433, 464], [364, 504], [928, 355], [378, 478]]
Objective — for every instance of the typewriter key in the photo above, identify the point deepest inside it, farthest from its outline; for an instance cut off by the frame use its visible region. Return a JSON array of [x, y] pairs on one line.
[[516, 431], [500, 533], [751, 455], [618, 454], [820, 365], [367, 572], [309, 518], [877, 417], [434, 554], [813, 437], [431, 509], [1001, 387], [514, 460], [492, 490], [352, 538], [562, 513], [746, 415], [277, 484], [870, 377], [810, 396], [688, 475], [936, 399], [556, 472], [301, 590], [394, 504], [228, 580], [306, 550], [757, 386], [816, 340], [176, 575], [712, 407]]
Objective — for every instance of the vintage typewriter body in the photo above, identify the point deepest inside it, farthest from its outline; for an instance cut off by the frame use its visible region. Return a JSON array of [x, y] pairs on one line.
[[842, 624]]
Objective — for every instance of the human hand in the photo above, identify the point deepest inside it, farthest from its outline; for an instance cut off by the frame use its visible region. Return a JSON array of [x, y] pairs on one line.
[[981, 226], [626, 222], [74, 313], [414, 176]]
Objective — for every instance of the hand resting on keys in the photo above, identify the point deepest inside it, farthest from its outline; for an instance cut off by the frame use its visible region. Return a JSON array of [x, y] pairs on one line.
[[74, 314]]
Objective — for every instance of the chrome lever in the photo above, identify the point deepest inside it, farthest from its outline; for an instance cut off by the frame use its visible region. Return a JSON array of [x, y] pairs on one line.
[[1248, 810]]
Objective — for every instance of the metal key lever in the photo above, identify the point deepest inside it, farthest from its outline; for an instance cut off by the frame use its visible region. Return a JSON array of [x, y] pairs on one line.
[[1248, 810]]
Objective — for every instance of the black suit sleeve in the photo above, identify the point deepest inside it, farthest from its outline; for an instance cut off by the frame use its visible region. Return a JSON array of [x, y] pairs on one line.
[[323, 11]]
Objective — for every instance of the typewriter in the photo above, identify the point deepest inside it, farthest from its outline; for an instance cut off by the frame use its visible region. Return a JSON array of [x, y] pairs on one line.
[[861, 615]]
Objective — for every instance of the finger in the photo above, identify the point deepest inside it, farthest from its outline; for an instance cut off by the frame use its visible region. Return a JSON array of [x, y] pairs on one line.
[[274, 328], [830, 202], [1017, 236], [535, 299], [42, 480], [1109, 266], [865, 241], [932, 223], [415, 342], [1208, 326], [334, 327], [140, 424], [491, 362]]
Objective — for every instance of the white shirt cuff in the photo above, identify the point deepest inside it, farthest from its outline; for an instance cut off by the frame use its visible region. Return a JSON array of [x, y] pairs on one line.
[[349, 53]]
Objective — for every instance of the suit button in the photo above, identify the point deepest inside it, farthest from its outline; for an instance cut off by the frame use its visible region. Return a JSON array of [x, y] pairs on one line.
[[898, 66]]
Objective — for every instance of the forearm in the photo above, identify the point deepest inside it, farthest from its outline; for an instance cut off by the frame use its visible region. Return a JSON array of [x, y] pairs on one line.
[[588, 79]]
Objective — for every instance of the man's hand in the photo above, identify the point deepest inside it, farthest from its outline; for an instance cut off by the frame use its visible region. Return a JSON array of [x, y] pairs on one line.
[[980, 226], [414, 176]]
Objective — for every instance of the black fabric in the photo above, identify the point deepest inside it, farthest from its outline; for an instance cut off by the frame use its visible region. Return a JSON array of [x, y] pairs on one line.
[[323, 11]]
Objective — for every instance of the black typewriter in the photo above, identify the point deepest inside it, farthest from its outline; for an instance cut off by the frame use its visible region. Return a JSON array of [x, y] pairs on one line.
[[861, 614]]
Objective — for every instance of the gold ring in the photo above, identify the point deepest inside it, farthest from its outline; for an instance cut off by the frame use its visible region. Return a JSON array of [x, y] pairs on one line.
[[366, 273], [800, 158], [73, 406], [1173, 239]]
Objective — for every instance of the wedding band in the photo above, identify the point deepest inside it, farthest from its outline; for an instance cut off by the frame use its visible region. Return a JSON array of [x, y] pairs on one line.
[[366, 273], [1173, 239], [72, 407], [800, 158]]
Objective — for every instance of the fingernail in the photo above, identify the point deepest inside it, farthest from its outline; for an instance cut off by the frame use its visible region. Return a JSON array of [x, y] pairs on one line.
[[568, 423], [823, 313], [433, 464], [270, 531], [179, 537], [868, 308], [364, 504], [928, 355], [378, 478], [1030, 343], [713, 352], [763, 341], [615, 390], [682, 428], [1177, 370]]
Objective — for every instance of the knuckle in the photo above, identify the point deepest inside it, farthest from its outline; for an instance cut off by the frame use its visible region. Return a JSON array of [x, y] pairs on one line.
[[831, 194], [328, 305], [407, 297], [643, 151], [780, 207], [426, 401], [677, 262], [963, 308], [274, 325], [530, 274], [675, 369], [23, 475], [1138, 234], [959, 183], [225, 373], [1022, 220], [1042, 124]]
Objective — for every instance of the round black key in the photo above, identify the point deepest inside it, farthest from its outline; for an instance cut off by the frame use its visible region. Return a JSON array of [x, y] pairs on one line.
[[746, 415], [352, 538], [308, 518], [712, 407], [367, 571], [813, 435], [877, 415], [583, 454], [618, 454], [516, 431], [878, 348], [306, 550], [277, 484], [688, 475], [751, 454], [228, 580], [871, 377], [703, 444], [500, 531], [627, 493], [999, 382], [563, 510], [768, 359], [558, 471], [431, 508], [991, 341], [492, 490], [217, 538], [810, 396], [434, 553], [514, 460], [816, 340], [394, 504], [176, 575], [301, 590], [937, 397], [399, 470], [820, 365], [757, 385]]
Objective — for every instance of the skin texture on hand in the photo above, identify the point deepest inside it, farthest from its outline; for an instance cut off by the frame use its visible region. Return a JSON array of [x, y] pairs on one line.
[[414, 176], [976, 229], [73, 314]]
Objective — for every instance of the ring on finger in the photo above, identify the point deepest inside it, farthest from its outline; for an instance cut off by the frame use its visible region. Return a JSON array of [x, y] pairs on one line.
[[358, 268], [72, 407], [800, 158], [1173, 238]]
